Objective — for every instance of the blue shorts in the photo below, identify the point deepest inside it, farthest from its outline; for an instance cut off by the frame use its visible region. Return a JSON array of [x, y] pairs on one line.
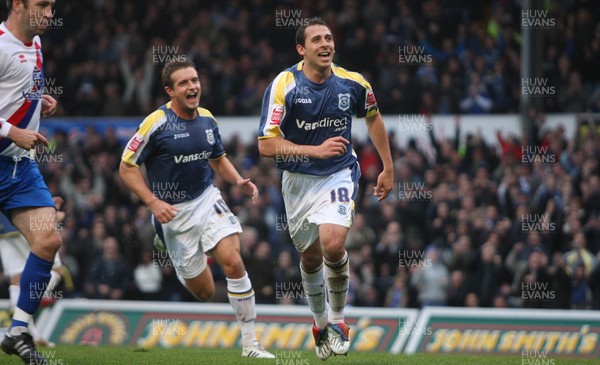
[[22, 185]]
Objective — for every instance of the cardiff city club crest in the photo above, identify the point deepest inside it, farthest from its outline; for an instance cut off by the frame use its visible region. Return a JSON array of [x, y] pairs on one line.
[[210, 137], [343, 101]]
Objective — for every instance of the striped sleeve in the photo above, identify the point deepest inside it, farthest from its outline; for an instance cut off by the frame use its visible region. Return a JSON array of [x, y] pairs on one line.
[[273, 108], [140, 146]]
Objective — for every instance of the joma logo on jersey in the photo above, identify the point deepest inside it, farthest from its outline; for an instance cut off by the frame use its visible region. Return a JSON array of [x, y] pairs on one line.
[[181, 135], [193, 157], [323, 123], [303, 101]]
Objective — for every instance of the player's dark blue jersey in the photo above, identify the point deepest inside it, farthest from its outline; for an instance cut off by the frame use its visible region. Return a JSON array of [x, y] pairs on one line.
[[176, 153], [306, 113]]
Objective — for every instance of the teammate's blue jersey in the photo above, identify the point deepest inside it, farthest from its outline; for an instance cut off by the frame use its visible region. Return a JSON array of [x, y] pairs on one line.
[[176, 153], [306, 113], [6, 226]]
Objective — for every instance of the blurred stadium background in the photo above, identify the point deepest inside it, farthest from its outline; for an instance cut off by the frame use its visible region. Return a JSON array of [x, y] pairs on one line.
[[474, 220]]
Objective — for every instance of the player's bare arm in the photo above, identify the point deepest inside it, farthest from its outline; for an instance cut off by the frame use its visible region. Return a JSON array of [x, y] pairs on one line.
[[134, 180], [332, 147], [378, 135], [227, 171]]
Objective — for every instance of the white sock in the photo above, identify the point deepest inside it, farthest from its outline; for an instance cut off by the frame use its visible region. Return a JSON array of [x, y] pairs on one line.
[[53, 283], [241, 297], [314, 287], [20, 315], [33, 331], [13, 293], [337, 275]]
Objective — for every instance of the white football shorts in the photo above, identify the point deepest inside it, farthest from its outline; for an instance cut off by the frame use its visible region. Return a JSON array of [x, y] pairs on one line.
[[313, 200], [14, 250], [196, 229]]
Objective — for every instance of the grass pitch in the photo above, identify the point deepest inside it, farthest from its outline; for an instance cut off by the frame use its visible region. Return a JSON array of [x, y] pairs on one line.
[[123, 355]]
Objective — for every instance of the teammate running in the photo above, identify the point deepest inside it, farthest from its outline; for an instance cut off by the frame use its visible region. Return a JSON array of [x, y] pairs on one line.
[[179, 144]]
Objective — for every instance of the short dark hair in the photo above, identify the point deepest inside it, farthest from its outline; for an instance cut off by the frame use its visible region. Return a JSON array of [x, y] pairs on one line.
[[173, 66], [301, 36], [9, 4]]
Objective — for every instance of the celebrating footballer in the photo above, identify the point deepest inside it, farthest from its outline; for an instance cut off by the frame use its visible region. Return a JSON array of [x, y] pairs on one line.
[[307, 112], [179, 144]]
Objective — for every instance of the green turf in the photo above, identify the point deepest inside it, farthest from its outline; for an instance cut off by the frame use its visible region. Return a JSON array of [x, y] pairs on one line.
[[122, 355]]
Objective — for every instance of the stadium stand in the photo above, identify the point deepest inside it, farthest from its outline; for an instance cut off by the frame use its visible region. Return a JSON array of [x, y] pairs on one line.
[[473, 232]]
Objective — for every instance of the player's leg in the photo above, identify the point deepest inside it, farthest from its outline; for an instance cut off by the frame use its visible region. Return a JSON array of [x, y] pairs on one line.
[[201, 286], [311, 270], [220, 238], [55, 280], [334, 218], [44, 241], [180, 240], [337, 278], [301, 198], [14, 251], [240, 293], [15, 291]]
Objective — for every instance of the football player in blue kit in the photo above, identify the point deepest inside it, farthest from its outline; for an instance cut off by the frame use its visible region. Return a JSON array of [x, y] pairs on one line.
[[179, 144], [305, 126]]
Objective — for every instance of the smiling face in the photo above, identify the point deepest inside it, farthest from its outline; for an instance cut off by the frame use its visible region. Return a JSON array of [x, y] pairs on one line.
[[184, 92], [318, 48]]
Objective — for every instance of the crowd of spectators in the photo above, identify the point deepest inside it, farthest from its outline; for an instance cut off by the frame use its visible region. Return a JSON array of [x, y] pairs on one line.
[[104, 57], [479, 224], [502, 227]]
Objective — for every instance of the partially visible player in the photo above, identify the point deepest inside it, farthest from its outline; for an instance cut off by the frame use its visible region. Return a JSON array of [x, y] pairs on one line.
[[14, 250], [24, 197], [307, 118], [179, 144]]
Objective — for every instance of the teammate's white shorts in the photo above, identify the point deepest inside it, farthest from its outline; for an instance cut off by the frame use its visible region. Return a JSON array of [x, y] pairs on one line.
[[14, 250], [313, 200], [196, 229]]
